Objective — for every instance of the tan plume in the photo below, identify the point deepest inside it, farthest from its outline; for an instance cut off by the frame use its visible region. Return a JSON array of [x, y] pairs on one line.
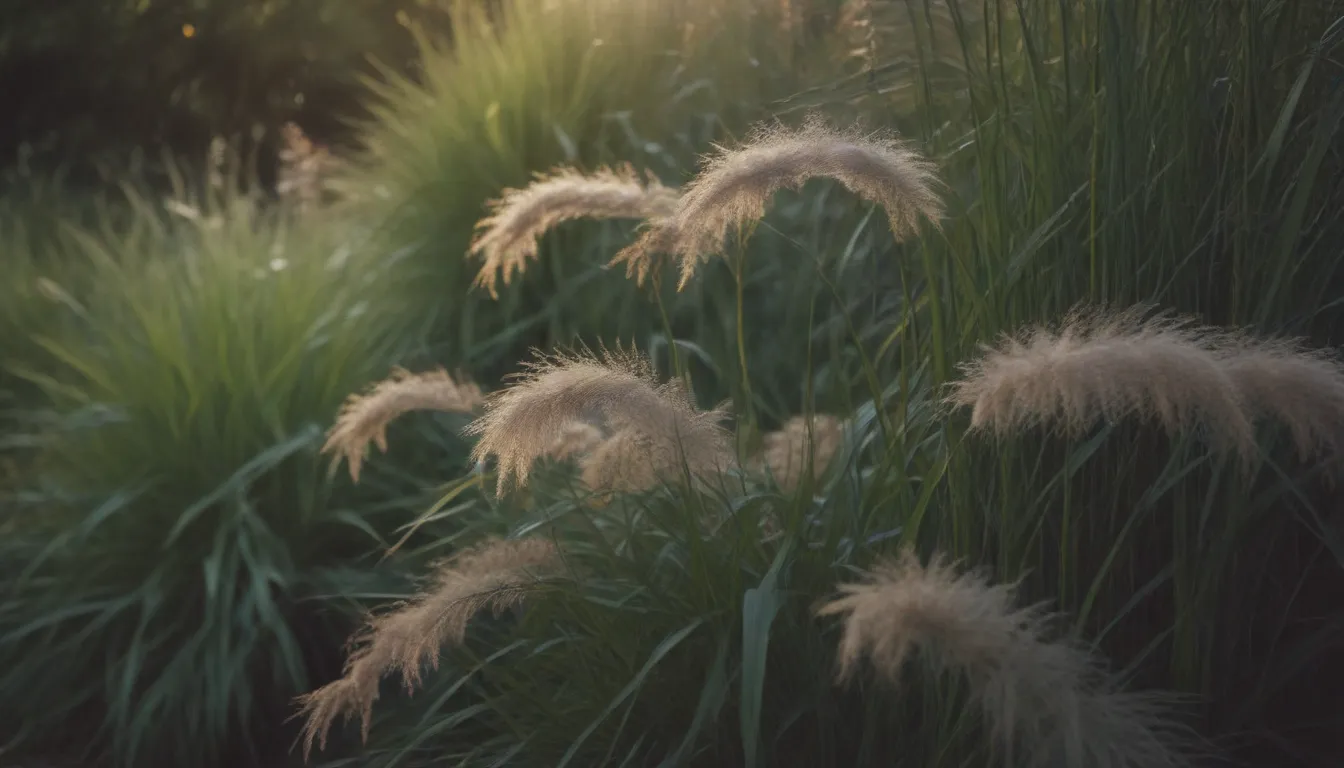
[[507, 238], [615, 389], [1302, 388], [1108, 365], [364, 417], [734, 186], [803, 447], [627, 462], [1111, 365], [496, 574], [576, 439], [1047, 697]]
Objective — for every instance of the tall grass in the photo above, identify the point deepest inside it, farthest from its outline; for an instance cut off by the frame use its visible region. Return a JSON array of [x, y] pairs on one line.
[[1105, 153], [176, 547], [537, 85], [1100, 152]]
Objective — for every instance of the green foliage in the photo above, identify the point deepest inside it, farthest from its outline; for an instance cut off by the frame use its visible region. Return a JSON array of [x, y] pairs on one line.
[[1101, 152], [178, 567], [173, 561]]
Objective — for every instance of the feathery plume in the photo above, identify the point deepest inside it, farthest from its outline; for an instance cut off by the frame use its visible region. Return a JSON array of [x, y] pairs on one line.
[[496, 574], [627, 462], [785, 452], [617, 388], [365, 417], [576, 439], [1049, 697], [1101, 365], [734, 186], [508, 236], [1303, 388]]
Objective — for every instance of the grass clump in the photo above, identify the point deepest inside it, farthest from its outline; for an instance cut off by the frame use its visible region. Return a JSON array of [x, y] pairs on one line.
[[577, 89], [176, 537], [1086, 161]]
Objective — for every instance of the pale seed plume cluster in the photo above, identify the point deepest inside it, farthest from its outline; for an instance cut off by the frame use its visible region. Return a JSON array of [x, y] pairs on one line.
[[735, 185], [1044, 700], [364, 417], [508, 237], [496, 574], [649, 429], [732, 189], [1099, 365]]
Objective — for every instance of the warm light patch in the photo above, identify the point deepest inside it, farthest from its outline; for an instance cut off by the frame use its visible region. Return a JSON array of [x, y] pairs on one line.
[[188, 30]]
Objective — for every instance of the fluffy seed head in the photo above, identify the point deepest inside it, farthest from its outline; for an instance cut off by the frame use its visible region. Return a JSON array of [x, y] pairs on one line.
[[1111, 365], [496, 574], [1301, 388], [734, 186], [576, 439], [615, 389], [786, 452], [1048, 697], [507, 238], [627, 462], [365, 417]]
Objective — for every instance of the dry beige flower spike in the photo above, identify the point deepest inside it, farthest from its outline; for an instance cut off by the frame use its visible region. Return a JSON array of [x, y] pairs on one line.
[[735, 185], [1101, 365], [785, 453], [507, 238], [617, 390], [364, 417], [1046, 697], [496, 574]]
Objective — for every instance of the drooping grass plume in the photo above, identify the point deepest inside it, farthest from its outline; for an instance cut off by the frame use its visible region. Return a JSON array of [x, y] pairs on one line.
[[496, 574], [1300, 387], [802, 446], [627, 462], [618, 390], [364, 417], [1109, 365], [508, 237], [576, 439], [734, 186], [1047, 698]]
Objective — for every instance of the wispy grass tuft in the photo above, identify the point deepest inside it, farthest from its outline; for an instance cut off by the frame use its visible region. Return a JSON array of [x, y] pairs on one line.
[[508, 237], [617, 391], [496, 574], [1045, 696], [1110, 365], [364, 418], [735, 185]]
